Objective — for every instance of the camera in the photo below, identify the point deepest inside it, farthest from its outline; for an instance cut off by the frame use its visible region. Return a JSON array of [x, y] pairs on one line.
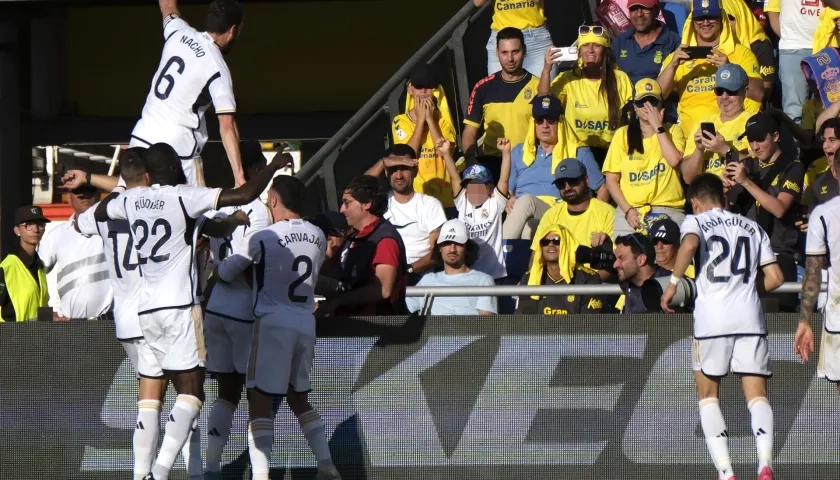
[[599, 258], [653, 288]]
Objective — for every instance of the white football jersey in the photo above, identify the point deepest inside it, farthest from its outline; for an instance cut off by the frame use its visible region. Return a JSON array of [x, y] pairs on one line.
[[484, 224], [288, 256], [191, 75], [164, 222], [123, 268], [732, 249], [234, 299], [823, 239]]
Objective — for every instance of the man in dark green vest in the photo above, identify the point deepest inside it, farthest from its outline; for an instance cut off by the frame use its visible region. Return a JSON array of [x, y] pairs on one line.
[[23, 283]]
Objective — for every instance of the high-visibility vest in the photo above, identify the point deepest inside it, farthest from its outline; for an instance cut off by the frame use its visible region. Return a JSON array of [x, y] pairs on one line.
[[26, 295]]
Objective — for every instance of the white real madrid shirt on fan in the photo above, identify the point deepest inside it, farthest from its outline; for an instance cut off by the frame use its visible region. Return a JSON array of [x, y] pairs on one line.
[[192, 73], [823, 239], [415, 219], [123, 266], [732, 249], [484, 225], [82, 279], [233, 298]]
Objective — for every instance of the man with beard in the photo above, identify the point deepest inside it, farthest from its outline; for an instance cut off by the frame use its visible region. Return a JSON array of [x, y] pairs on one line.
[[416, 216], [589, 220], [192, 74], [640, 50], [635, 264]]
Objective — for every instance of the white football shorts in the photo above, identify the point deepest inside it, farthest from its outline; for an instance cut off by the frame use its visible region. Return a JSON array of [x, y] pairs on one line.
[[228, 344], [741, 354], [193, 167], [175, 337], [280, 358], [828, 366], [142, 359]]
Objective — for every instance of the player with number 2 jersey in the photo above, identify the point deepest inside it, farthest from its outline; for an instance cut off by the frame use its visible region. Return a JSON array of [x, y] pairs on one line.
[[730, 332]]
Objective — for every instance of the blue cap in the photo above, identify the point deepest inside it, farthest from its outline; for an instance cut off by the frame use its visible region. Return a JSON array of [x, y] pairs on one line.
[[547, 106], [706, 8], [569, 169], [731, 77], [476, 173]]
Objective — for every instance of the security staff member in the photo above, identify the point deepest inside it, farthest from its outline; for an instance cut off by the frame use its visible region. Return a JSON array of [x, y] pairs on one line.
[[23, 283]]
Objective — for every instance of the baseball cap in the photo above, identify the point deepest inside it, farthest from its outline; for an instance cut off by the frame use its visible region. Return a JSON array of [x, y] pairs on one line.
[[731, 77], [476, 173], [705, 8], [547, 106], [423, 77], [568, 169], [331, 222], [639, 242], [666, 230], [759, 126], [30, 213], [647, 87], [643, 3], [453, 231]]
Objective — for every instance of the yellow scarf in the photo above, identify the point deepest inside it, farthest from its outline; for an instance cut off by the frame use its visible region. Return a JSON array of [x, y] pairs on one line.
[[566, 147], [442, 103], [825, 35], [747, 28], [727, 39], [568, 247]]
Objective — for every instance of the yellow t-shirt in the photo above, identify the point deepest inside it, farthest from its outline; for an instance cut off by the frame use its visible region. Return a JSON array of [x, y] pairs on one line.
[[432, 178], [521, 14], [587, 110], [503, 108], [731, 130], [773, 6], [646, 179], [694, 82], [811, 109], [598, 218]]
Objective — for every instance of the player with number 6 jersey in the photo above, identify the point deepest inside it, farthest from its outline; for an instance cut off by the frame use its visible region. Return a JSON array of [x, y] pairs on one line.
[[730, 332], [191, 75]]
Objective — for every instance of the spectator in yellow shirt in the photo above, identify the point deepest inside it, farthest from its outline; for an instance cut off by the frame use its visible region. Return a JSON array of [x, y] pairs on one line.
[[426, 120]]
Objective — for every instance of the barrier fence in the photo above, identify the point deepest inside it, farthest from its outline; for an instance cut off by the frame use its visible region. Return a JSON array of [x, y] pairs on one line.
[[513, 397]]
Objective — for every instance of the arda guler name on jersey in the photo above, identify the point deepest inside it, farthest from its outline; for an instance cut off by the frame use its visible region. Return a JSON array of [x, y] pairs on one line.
[[729, 222]]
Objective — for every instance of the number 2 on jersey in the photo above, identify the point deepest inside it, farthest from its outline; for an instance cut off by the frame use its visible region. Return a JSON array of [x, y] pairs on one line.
[[165, 74], [143, 236], [304, 275], [742, 249]]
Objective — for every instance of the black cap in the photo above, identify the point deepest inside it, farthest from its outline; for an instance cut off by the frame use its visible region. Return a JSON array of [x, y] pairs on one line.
[[759, 126], [639, 243], [423, 77], [547, 106], [30, 213], [666, 230], [331, 222]]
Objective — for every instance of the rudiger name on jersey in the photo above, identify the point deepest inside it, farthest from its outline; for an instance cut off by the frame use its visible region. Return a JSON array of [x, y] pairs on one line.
[[729, 222], [144, 202]]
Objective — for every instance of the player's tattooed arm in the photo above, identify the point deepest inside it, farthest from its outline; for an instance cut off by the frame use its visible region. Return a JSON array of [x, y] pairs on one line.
[[811, 286]]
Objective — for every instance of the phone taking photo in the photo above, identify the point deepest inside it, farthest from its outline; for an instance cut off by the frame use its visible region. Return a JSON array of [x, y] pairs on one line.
[[708, 127], [696, 53]]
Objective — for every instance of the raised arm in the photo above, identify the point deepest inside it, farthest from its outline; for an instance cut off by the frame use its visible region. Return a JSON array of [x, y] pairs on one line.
[[254, 187], [168, 7], [229, 132]]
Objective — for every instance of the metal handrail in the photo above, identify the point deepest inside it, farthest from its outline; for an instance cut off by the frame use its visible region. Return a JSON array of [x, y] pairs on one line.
[[544, 290], [310, 169]]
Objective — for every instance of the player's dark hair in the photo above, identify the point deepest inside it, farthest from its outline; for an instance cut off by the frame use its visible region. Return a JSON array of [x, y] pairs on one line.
[[132, 168], [368, 189], [292, 192], [832, 123], [511, 33], [222, 15], [163, 165], [707, 188], [470, 258], [252, 157], [401, 150]]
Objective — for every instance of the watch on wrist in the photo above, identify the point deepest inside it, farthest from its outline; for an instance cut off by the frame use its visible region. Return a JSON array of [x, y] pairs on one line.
[[409, 269], [661, 130], [87, 178]]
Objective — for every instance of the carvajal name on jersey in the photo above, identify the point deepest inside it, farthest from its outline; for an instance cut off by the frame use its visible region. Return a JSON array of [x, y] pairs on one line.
[[145, 203], [729, 222], [194, 45], [299, 237]]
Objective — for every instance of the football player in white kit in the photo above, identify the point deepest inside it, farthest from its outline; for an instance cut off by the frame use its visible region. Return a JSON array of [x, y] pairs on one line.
[[192, 74], [165, 220], [288, 257], [822, 250], [229, 318], [730, 332]]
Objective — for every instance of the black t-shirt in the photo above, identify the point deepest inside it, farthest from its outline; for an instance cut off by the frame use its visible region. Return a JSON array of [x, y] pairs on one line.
[[824, 188], [563, 304], [633, 302], [788, 177]]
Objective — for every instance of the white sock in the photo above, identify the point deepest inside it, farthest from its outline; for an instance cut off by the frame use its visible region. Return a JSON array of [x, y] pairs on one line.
[[762, 426], [178, 428], [260, 440], [218, 431], [191, 451], [714, 428], [313, 429], [146, 434]]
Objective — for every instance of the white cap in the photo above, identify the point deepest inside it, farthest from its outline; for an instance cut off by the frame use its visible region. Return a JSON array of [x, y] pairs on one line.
[[453, 231]]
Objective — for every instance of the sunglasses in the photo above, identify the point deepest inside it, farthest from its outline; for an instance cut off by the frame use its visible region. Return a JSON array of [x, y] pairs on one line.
[[653, 101], [572, 182], [706, 19], [541, 120], [719, 91], [596, 30], [549, 241], [630, 240]]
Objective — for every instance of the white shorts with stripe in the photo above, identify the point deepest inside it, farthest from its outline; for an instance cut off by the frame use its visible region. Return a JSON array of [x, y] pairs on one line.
[[193, 167], [175, 337], [828, 366], [740, 354], [228, 344], [281, 357]]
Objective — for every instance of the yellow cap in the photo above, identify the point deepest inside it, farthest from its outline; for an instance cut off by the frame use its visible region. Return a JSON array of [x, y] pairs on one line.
[[647, 87]]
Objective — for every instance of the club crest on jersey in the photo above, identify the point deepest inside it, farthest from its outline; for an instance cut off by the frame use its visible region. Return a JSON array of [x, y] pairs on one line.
[[528, 93]]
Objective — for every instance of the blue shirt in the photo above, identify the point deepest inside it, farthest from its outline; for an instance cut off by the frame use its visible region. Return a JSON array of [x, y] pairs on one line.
[[538, 179], [638, 62], [455, 305]]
